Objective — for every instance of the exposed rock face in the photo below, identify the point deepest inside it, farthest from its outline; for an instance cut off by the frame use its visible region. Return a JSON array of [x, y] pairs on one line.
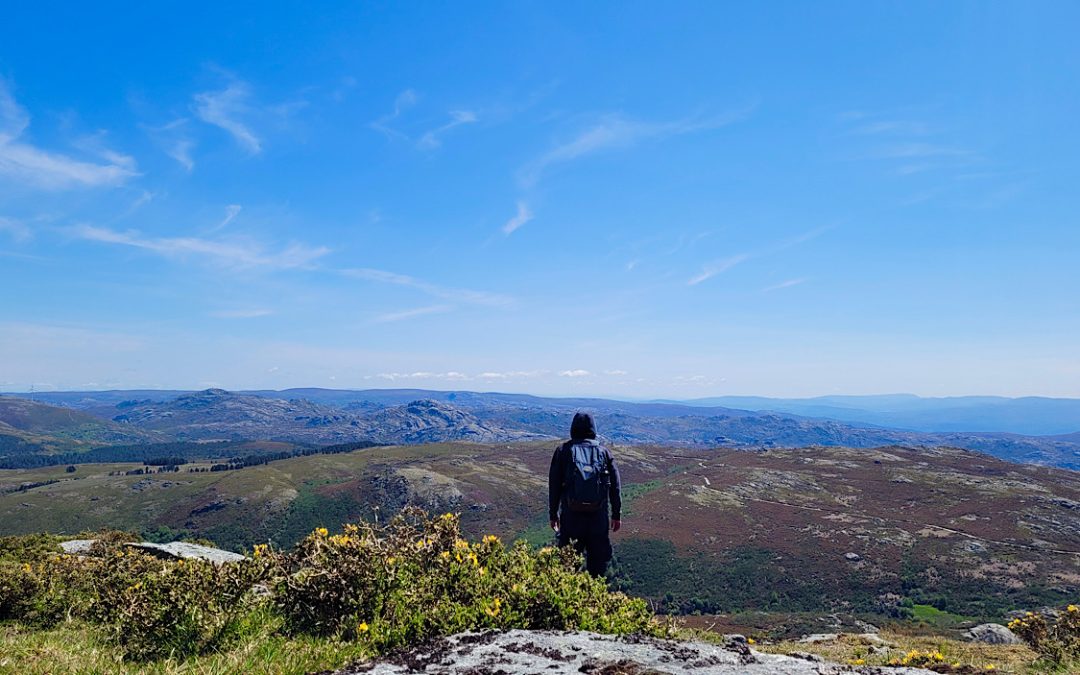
[[992, 633], [518, 652], [180, 549], [173, 550]]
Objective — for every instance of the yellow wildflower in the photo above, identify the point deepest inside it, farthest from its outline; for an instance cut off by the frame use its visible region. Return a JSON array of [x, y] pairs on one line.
[[491, 539], [495, 608], [445, 555], [991, 666], [751, 641], [858, 662], [390, 560], [482, 570], [260, 549], [322, 531], [1072, 608], [27, 567], [362, 628]]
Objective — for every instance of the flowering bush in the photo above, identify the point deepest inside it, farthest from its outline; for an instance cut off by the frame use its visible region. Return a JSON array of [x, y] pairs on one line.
[[1056, 639], [417, 577], [385, 587]]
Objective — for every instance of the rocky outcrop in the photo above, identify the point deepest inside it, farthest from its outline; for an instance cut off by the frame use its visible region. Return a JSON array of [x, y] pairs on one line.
[[174, 550], [519, 652], [992, 634]]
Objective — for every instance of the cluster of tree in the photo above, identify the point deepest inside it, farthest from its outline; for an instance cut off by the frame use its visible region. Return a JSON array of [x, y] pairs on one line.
[[167, 454], [176, 460], [178, 452], [23, 487], [265, 458], [145, 471]]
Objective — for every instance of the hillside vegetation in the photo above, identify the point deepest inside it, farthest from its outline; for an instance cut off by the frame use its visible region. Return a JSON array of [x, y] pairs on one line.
[[374, 588], [817, 529]]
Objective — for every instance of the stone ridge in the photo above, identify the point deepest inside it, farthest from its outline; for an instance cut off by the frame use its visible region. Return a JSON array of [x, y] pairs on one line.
[[520, 652]]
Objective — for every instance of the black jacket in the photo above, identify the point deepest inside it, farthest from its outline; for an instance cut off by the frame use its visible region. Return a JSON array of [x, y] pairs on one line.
[[581, 429]]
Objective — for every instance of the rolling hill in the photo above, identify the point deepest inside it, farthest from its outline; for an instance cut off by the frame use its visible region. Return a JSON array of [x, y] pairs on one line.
[[813, 529]]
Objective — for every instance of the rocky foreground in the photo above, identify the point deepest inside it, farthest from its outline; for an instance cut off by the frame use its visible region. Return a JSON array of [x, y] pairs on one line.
[[521, 652]]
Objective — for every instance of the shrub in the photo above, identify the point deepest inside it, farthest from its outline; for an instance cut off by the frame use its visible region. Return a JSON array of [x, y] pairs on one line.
[[417, 578], [1056, 639], [149, 606]]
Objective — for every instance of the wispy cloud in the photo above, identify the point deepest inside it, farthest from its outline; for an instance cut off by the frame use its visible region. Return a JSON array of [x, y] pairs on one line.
[[404, 100], [616, 373], [430, 139], [783, 284], [231, 212], [421, 375], [575, 373], [615, 131], [891, 127], [241, 313], [174, 141], [228, 109], [717, 267], [403, 315], [31, 165], [511, 375], [918, 150], [522, 216], [234, 253], [16, 229], [443, 292]]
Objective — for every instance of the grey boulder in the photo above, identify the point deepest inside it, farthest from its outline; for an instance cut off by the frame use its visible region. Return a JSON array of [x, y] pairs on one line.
[[992, 634], [520, 652]]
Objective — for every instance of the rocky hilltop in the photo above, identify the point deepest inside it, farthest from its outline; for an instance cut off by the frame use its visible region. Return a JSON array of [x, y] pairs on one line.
[[521, 652]]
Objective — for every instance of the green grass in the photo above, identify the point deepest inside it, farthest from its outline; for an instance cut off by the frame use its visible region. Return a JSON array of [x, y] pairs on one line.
[[77, 647], [936, 617]]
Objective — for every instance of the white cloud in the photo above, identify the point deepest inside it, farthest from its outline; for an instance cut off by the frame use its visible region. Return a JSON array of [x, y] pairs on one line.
[[430, 140], [616, 373], [241, 313], [423, 375], [14, 228], [714, 268], [434, 290], [575, 373], [404, 100], [226, 109], [522, 216], [180, 150], [510, 375], [231, 212], [49, 170], [783, 284], [234, 253], [618, 132], [412, 313]]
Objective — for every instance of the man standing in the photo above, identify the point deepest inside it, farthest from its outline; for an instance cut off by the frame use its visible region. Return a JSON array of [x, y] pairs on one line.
[[582, 484]]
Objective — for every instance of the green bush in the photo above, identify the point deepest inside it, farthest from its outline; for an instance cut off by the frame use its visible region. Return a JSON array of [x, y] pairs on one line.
[[417, 578], [1054, 638], [149, 606], [385, 587]]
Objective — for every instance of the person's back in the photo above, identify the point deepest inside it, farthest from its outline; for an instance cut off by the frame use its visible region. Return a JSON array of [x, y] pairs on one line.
[[583, 483]]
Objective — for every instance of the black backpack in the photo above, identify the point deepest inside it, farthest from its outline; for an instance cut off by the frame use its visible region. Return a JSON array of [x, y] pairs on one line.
[[588, 476]]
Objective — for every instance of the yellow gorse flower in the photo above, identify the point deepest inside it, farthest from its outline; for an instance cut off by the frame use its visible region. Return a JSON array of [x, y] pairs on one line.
[[491, 539], [322, 531]]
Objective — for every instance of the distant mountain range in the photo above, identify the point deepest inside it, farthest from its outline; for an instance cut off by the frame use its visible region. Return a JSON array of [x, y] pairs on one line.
[[410, 416], [1032, 415]]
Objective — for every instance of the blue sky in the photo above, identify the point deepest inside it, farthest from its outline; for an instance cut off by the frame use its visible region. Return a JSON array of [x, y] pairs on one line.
[[634, 199]]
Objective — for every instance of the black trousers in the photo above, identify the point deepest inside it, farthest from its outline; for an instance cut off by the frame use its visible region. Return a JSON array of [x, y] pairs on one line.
[[588, 534]]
